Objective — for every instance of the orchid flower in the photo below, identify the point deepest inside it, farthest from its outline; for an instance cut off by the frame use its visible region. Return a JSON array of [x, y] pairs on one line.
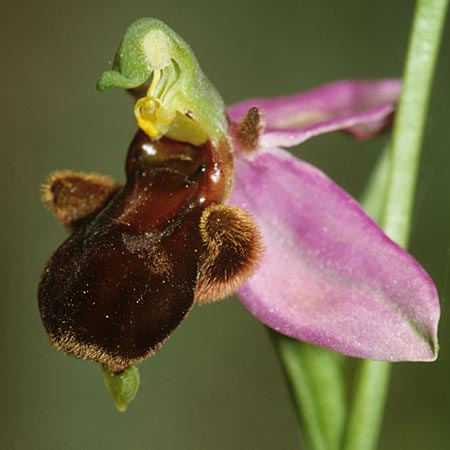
[[212, 205]]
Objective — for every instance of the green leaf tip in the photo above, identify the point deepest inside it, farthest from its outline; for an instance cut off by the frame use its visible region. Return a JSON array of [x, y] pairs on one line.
[[180, 101], [123, 386]]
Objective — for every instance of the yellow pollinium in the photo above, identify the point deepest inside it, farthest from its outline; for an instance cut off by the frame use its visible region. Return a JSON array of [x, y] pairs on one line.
[[152, 117], [155, 119]]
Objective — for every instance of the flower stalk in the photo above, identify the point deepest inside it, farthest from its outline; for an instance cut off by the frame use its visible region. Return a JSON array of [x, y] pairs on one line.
[[373, 376], [411, 117], [317, 385]]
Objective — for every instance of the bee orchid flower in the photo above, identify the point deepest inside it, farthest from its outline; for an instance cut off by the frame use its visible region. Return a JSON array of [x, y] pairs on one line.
[[213, 205]]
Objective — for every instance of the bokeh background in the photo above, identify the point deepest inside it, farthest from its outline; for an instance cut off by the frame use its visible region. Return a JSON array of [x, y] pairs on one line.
[[216, 384]]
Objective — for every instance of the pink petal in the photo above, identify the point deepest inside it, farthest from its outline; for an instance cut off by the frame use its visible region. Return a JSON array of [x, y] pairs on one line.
[[363, 108], [329, 274]]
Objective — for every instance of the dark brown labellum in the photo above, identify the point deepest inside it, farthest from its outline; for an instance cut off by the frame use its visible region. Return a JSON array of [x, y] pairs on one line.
[[121, 283], [140, 255]]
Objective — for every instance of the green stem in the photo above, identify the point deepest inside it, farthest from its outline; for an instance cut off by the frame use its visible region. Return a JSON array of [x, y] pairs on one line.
[[411, 117], [373, 377], [368, 405], [316, 381]]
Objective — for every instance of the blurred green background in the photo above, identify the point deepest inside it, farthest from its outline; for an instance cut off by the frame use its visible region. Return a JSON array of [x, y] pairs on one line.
[[216, 384]]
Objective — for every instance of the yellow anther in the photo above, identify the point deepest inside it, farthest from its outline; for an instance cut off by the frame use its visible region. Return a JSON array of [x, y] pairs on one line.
[[144, 111], [151, 115], [156, 120]]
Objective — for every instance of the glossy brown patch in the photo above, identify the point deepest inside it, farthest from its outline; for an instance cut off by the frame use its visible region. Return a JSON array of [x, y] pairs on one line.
[[249, 129], [232, 248], [125, 279], [72, 196]]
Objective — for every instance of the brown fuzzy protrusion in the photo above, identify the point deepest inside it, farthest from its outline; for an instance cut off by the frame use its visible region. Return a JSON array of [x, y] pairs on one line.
[[232, 248], [249, 129], [72, 196]]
